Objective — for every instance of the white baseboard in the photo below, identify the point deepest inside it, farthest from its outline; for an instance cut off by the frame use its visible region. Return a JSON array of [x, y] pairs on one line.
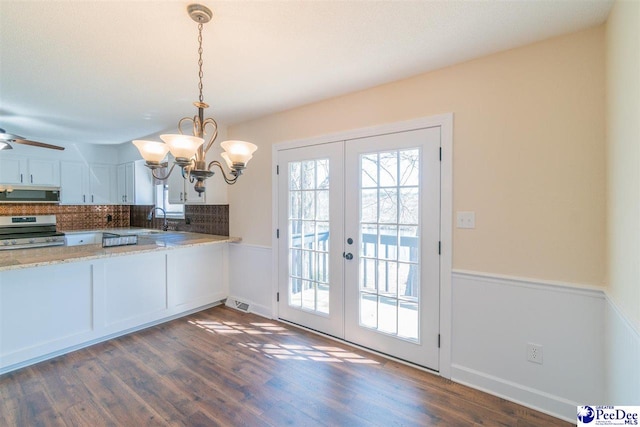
[[550, 404]]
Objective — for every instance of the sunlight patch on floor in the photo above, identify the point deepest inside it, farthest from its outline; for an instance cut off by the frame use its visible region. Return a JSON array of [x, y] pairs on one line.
[[229, 328], [309, 353]]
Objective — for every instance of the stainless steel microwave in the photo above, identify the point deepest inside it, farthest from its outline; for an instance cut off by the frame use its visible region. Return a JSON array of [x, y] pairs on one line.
[[15, 194]]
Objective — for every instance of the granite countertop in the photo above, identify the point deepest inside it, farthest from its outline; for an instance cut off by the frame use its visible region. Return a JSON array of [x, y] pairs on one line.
[[148, 241]]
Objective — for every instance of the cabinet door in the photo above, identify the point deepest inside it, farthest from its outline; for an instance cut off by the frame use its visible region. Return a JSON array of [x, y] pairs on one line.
[[130, 182], [44, 172], [176, 188], [100, 179], [142, 187], [121, 184], [73, 183], [12, 170], [124, 178], [191, 195]]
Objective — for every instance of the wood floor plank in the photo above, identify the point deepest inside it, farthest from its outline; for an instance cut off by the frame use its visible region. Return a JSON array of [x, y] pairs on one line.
[[228, 368]]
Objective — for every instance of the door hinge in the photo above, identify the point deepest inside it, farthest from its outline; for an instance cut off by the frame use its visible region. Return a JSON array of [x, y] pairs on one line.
[[278, 300], [277, 169], [277, 233], [440, 153], [438, 340], [439, 248]]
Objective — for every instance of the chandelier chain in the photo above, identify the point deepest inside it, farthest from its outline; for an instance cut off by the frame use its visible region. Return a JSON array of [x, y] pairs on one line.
[[200, 74]]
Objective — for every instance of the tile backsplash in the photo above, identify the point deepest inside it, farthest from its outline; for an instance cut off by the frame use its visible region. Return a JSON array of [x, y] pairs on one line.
[[207, 219], [74, 217]]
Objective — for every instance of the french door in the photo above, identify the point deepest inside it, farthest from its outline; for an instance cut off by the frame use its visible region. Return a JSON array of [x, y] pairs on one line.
[[311, 206], [359, 224]]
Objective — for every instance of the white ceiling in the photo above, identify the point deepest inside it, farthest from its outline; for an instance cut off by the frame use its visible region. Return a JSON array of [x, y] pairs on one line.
[[111, 71]]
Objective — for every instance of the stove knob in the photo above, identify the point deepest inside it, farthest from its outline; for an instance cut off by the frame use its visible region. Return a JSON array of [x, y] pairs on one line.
[[6, 243], [47, 240], [32, 240], [14, 242]]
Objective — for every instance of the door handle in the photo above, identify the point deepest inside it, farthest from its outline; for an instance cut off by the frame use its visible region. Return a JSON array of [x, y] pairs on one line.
[[348, 256]]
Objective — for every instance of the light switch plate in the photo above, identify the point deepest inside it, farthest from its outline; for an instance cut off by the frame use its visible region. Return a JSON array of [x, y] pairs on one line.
[[466, 219]]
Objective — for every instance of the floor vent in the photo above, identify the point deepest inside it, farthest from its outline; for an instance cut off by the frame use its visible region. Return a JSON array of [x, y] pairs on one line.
[[238, 305]]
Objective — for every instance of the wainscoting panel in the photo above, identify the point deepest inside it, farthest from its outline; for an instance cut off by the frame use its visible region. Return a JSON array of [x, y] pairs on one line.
[[494, 318], [622, 358], [250, 278]]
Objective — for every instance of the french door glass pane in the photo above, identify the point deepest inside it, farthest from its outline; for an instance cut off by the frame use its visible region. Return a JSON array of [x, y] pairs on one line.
[[308, 215], [389, 241]]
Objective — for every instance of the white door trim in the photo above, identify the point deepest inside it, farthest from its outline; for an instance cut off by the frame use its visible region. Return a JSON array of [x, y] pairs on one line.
[[445, 121]]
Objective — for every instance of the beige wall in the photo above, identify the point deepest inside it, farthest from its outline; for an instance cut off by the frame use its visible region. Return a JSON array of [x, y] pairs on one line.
[[529, 152], [623, 156]]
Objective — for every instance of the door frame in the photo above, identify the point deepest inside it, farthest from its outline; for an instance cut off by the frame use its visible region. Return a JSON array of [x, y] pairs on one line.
[[445, 121]]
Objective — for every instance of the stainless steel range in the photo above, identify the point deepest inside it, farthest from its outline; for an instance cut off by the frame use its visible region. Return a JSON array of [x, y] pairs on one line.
[[32, 231]]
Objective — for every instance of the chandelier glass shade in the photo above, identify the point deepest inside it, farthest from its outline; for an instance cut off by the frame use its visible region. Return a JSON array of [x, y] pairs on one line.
[[190, 151], [182, 146], [152, 151]]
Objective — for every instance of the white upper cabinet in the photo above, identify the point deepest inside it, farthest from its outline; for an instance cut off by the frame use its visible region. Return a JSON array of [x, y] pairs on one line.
[[181, 191], [86, 184], [101, 184], [11, 170], [74, 180], [21, 170], [44, 172], [134, 184]]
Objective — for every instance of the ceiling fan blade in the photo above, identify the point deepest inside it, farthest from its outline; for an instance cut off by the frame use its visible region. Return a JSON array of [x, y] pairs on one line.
[[37, 144]]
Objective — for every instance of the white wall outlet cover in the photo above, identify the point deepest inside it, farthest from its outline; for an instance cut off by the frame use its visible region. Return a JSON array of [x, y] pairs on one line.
[[534, 353], [466, 219]]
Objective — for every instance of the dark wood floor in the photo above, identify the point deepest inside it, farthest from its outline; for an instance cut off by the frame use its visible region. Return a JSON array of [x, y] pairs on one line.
[[223, 367]]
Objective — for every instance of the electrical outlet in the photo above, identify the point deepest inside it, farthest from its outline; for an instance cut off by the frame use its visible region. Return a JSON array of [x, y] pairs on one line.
[[534, 353], [466, 219]]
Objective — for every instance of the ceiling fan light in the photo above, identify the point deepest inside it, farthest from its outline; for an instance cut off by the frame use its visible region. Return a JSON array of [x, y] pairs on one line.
[[5, 145], [152, 151], [182, 146], [238, 151]]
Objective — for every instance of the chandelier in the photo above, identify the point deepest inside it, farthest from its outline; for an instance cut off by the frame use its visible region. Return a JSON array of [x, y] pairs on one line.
[[190, 151]]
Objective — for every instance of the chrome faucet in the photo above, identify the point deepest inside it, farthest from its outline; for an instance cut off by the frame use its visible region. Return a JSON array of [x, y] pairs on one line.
[[165, 224]]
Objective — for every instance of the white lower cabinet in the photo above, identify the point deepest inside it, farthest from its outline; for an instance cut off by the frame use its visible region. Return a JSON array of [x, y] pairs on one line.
[[79, 239], [135, 289], [43, 310], [205, 279], [50, 310]]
